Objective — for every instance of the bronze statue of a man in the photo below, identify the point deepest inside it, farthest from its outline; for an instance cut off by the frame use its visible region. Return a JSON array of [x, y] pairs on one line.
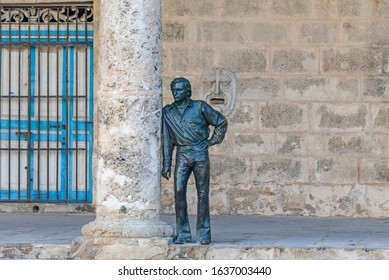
[[186, 126]]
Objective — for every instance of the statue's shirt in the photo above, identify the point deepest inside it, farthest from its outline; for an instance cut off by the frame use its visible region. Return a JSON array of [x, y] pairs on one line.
[[190, 127]]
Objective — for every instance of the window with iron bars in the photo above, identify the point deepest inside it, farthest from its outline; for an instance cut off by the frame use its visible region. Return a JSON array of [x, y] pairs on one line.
[[46, 102]]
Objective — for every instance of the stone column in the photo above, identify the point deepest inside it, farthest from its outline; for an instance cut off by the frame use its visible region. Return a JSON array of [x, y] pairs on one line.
[[128, 102]]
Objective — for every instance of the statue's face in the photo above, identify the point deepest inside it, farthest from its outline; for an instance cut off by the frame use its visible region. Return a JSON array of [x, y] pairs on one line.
[[179, 91]]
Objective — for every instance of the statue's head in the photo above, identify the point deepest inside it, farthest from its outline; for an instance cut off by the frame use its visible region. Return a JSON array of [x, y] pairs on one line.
[[182, 83]]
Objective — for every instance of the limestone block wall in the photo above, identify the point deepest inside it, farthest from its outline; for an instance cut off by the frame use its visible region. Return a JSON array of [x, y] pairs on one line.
[[309, 134]]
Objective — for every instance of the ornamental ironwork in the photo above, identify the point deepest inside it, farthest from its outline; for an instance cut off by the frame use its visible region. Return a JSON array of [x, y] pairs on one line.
[[37, 14]]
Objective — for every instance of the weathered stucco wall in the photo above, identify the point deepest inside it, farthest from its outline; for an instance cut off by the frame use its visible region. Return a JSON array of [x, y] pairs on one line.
[[309, 134]]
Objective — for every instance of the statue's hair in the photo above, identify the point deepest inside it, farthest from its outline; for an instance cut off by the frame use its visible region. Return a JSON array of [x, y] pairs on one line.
[[186, 82]]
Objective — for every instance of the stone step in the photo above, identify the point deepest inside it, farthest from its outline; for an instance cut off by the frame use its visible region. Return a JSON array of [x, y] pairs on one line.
[[58, 236]]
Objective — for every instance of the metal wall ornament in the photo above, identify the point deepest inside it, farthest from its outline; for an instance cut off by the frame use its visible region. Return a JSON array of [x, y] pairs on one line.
[[219, 89]]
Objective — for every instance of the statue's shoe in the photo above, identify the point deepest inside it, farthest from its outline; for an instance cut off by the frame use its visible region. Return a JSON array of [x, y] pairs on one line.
[[182, 240], [204, 241]]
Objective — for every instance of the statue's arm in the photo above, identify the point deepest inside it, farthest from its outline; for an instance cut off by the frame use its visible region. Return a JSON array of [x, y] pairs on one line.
[[167, 151], [217, 120]]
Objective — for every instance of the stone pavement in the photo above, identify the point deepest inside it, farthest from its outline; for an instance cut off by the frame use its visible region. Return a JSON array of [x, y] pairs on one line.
[[51, 235]]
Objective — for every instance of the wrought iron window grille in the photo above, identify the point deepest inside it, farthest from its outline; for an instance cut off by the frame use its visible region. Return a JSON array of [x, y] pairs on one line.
[[46, 102]]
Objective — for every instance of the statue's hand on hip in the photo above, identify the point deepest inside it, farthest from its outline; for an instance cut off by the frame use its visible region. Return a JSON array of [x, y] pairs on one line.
[[206, 144]]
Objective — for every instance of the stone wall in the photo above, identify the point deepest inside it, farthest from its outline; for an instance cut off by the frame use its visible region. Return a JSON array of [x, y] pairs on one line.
[[309, 133]]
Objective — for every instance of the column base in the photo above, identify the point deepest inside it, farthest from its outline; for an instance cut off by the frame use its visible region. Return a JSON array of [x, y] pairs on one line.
[[127, 228], [107, 248]]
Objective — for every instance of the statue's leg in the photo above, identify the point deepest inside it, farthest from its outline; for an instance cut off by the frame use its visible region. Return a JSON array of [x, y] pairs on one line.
[[181, 176], [202, 176]]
